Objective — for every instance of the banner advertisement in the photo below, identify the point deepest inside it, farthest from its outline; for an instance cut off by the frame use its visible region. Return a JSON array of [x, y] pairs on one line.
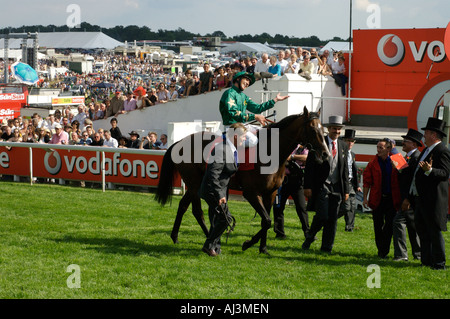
[[68, 100], [120, 168], [394, 64], [12, 99]]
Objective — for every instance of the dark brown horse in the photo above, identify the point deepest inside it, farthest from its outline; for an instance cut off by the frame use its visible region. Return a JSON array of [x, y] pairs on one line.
[[258, 188]]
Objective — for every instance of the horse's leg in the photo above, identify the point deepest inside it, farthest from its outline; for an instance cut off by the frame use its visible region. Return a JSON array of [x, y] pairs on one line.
[[182, 208], [265, 225], [198, 214], [258, 205]]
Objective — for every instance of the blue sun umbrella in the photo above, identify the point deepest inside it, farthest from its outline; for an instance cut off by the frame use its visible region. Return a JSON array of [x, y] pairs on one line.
[[24, 73]]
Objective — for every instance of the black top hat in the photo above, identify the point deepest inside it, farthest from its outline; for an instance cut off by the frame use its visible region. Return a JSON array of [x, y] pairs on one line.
[[414, 136], [435, 124], [350, 134]]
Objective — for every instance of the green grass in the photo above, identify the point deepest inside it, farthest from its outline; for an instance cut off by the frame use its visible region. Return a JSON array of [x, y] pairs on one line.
[[121, 242]]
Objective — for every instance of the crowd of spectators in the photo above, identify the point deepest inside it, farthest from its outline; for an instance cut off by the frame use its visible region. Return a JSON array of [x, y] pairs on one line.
[[57, 129], [305, 63], [136, 84], [131, 75]]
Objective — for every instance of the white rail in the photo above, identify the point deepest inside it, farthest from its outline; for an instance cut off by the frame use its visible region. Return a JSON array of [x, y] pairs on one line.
[[101, 149]]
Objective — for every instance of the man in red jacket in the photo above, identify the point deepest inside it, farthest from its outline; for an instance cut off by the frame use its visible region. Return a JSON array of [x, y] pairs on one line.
[[381, 178]]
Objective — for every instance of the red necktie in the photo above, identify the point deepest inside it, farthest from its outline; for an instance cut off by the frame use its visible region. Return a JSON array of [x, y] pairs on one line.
[[333, 150]]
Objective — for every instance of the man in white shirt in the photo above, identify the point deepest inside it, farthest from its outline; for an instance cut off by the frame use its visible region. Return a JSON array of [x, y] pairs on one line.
[[282, 62], [109, 140], [81, 116], [263, 64], [163, 140]]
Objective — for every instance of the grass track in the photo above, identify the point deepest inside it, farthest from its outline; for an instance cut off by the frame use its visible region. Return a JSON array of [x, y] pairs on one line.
[[120, 240]]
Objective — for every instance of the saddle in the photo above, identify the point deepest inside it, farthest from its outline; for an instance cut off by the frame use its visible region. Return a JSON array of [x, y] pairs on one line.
[[249, 158]]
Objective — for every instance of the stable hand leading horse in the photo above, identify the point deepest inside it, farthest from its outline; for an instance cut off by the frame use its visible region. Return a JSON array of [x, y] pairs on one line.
[[258, 188]]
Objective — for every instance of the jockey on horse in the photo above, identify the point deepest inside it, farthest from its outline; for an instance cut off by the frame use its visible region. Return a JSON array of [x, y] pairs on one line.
[[234, 104]]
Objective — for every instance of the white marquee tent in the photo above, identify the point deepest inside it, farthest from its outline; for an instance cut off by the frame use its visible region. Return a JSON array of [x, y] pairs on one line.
[[248, 47], [68, 40], [336, 46]]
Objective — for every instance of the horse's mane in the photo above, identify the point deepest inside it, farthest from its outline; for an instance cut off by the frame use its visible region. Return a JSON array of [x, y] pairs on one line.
[[285, 122]]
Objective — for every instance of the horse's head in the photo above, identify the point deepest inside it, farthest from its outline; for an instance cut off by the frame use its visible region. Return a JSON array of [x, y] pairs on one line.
[[311, 134]]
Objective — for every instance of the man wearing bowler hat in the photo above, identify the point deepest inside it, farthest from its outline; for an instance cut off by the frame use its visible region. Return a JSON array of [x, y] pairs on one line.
[[404, 218], [429, 191], [326, 186], [347, 208]]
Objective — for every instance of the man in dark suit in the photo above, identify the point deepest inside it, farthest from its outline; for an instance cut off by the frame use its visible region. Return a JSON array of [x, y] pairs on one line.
[[347, 208], [430, 192], [326, 186], [221, 165], [404, 218]]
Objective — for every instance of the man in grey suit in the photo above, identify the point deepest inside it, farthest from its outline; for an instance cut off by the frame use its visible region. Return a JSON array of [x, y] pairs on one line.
[[404, 219], [221, 166], [347, 208], [430, 193], [326, 186]]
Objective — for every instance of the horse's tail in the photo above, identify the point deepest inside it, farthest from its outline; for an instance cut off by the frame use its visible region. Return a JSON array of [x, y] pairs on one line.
[[166, 178]]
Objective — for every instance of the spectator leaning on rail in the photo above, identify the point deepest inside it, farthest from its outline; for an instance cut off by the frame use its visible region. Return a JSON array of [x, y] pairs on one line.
[[150, 142], [263, 64], [59, 137], [206, 79], [109, 141], [116, 105], [234, 104]]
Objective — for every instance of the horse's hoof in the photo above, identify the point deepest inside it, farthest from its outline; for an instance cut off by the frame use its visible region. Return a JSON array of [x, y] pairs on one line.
[[246, 245], [174, 239]]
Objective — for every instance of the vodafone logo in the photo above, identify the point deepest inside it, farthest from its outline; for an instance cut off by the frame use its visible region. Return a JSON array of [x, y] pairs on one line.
[[391, 50], [52, 162]]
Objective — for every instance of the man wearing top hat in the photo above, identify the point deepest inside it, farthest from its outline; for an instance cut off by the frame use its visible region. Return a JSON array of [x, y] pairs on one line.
[[326, 186], [404, 219], [429, 190], [347, 208]]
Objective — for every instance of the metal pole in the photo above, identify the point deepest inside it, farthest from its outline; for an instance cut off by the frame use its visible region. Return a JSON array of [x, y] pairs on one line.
[[364, 99], [103, 172], [35, 51], [24, 50], [350, 51], [31, 165], [6, 59]]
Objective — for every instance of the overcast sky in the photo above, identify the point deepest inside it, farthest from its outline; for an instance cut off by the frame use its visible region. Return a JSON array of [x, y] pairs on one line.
[[299, 18]]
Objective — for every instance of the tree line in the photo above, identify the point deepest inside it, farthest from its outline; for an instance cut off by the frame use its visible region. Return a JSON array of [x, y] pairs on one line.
[[132, 32]]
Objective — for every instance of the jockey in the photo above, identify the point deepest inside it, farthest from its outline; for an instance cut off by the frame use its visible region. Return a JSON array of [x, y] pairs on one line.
[[234, 104]]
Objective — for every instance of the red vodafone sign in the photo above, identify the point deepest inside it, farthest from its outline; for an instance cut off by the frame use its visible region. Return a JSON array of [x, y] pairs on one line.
[[394, 64], [84, 165], [447, 40], [428, 100]]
